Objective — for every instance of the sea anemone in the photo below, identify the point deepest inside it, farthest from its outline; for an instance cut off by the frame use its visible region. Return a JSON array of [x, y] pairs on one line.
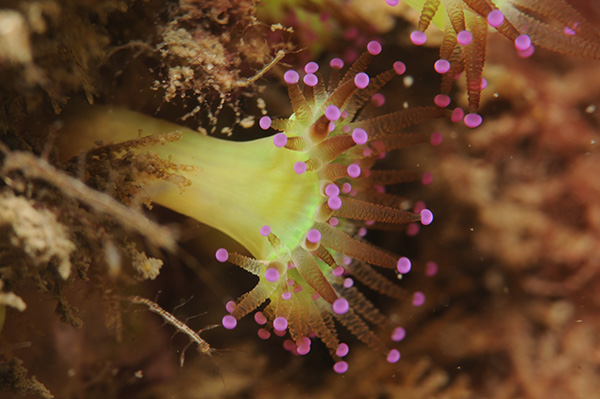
[[552, 24], [298, 201]]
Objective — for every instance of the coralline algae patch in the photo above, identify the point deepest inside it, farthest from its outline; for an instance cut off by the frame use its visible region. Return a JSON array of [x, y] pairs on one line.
[[306, 275]]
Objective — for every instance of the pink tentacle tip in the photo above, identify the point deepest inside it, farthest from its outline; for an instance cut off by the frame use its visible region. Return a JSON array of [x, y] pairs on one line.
[[340, 367], [436, 138], [342, 350], [361, 80], [393, 356], [464, 37], [526, 53], [332, 190], [427, 178], [398, 334], [495, 18], [392, 2], [403, 265], [264, 122], [348, 282], [341, 306], [418, 38], [310, 79], [399, 67], [265, 230], [378, 99], [291, 77], [473, 120], [280, 140], [300, 167], [426, 217], [230, 306], [522, 42], [457, 115], [260, 318], [313, 236], [332, 113], [272, 274], [222, 255], [311, 67], [418, 298], [286, 295], [359, 136], [442, 100], [441, 66], [334, 203], [229, 322], [353, 170], [336, 63], [374, 47], [431, 269], [338, 271], [280, 323], [264, 334]]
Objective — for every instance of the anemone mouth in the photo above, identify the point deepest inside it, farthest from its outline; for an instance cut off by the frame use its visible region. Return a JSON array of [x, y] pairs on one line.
[[309, 284]]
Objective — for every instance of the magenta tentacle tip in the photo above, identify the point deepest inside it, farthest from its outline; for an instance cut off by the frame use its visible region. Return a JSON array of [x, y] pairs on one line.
[[265, 230], [310, 79], [230, 306], [336, 63], [399, 67], [300, 167], [264, 334], [392, 2], [332, 190], [311, 67], [313, 236], [441, 66], [361, 80], [374, 47], [522, 42], [427, 178], [457, 115], [272, 274], [280, 140], [280, 323], [332, 113], [473, 120], [398, 334], [264, 122], [348, 282], [286, 295], [341, 306], [291, 77], [353, 170], [222, 255], [359, 136], [340, 367], [393, 356], [229, 322], [338, 271], [526, 53], [495, 18], [260, 318], [403, 265], [334, 203], [377, 100], [442, 100], [342, 350], [418, 298], [419, 38], [436, 138], [334, 221], [431, 268], [426, 217], [464, 37]]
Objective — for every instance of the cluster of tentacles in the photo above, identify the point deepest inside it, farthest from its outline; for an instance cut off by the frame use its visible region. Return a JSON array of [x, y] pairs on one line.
[[307, 282], [552, 24]]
